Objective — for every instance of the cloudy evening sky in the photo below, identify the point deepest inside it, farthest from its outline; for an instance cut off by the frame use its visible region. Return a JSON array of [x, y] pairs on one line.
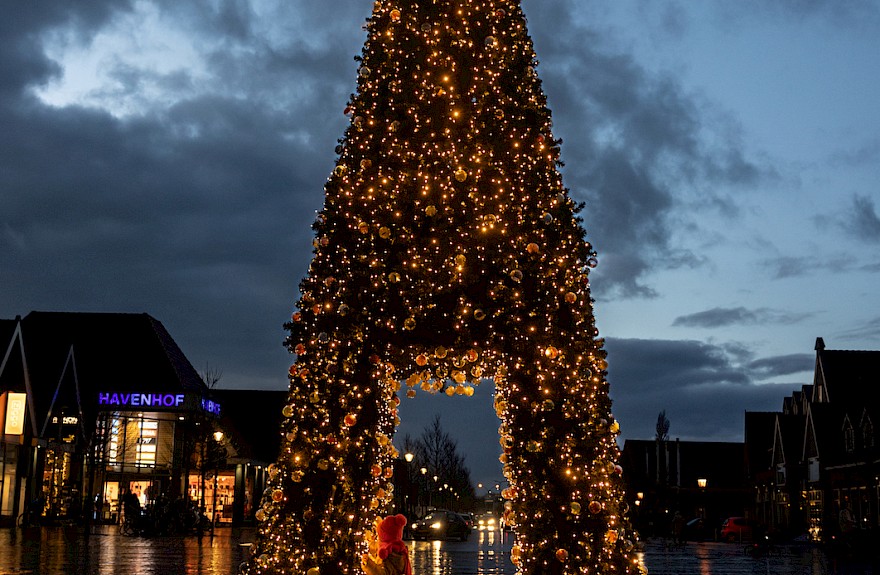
[[168, 157]]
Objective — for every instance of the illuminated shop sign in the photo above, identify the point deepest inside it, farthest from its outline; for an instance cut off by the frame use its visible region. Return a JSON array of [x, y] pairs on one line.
[[15, 405], [211, 407], [66, 420], [141, 399]]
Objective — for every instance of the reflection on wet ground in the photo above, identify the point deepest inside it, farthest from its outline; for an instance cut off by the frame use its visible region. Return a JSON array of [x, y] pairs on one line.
[[57, 551], [485, 552], [67, 551]]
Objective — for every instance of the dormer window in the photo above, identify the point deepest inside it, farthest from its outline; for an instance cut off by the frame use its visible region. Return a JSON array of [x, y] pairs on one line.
[[849, 437], [867, 433]]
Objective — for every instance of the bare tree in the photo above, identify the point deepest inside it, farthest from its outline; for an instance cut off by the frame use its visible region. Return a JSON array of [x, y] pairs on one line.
[[211, 375], [438, 453]]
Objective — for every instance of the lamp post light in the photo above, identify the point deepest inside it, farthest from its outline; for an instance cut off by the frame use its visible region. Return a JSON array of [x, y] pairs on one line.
[[424, 471], [702, 483]]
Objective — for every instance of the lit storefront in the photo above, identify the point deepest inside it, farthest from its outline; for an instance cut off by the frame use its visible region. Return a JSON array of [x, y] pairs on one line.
[[147, 443], [12, 415], [81, 428]]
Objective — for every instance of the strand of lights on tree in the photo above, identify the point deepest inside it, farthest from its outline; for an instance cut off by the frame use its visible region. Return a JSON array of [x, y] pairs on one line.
[[447, 253]]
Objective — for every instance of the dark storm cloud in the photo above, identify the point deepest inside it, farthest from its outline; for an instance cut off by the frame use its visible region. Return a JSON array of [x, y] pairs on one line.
[[672, 364], [722, 317], [635, 147], [197, 212], [704, 388], [782, 365], [21, 62]]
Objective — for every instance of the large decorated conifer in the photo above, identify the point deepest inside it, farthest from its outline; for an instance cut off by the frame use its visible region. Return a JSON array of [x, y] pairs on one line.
[[447, 253]]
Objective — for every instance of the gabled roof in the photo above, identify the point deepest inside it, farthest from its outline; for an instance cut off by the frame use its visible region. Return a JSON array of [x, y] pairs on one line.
[[788, 438], [110, 351], [845, 377], [824, 434]]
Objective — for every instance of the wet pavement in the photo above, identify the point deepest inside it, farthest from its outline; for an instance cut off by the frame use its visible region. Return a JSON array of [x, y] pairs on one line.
[[67, 551]]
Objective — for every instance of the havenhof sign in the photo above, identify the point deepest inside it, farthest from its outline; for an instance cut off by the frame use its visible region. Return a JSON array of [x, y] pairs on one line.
[[155, 400]]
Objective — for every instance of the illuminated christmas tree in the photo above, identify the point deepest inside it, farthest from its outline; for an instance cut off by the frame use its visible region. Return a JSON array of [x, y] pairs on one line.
[[447, 253]]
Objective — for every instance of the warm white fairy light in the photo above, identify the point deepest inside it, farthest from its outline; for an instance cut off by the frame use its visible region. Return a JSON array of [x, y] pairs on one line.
[[447, 251]]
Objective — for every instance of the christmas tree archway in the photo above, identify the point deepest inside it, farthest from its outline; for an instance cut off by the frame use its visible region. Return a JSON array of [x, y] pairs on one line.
[[447, 253]]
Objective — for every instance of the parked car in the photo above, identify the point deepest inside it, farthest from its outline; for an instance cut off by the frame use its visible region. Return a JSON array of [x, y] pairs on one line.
[[487, 522], [468, 519], [737, 529], [441, 524]]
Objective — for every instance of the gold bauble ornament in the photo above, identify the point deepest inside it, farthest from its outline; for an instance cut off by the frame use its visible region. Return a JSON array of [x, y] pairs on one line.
[[460, 175], [430, 210], [562, 555]]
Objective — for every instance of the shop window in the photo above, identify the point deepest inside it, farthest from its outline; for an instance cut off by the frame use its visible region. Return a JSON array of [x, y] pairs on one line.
[[137, 442], [9, 455]]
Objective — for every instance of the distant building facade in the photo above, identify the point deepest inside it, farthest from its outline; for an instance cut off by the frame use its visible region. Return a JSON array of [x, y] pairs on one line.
[[95, 405], [698, 479], [820, 453]]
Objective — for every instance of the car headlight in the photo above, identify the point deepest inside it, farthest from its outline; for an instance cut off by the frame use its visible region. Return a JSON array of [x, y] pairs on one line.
[[491, 522], [437, 525]]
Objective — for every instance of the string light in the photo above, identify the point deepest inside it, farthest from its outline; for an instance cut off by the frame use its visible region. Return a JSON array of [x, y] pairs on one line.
[[447, 251]]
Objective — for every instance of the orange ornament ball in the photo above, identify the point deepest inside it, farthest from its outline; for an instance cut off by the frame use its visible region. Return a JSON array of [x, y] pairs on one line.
[[562, 555]]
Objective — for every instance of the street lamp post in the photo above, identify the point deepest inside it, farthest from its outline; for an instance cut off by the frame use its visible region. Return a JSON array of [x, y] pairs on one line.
[[407, 492], [424, 472], [218, 437]]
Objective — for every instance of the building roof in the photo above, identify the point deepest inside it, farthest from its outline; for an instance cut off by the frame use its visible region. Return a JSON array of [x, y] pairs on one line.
[[845, 376], [788, 444], [824, 432], [71, 357]]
